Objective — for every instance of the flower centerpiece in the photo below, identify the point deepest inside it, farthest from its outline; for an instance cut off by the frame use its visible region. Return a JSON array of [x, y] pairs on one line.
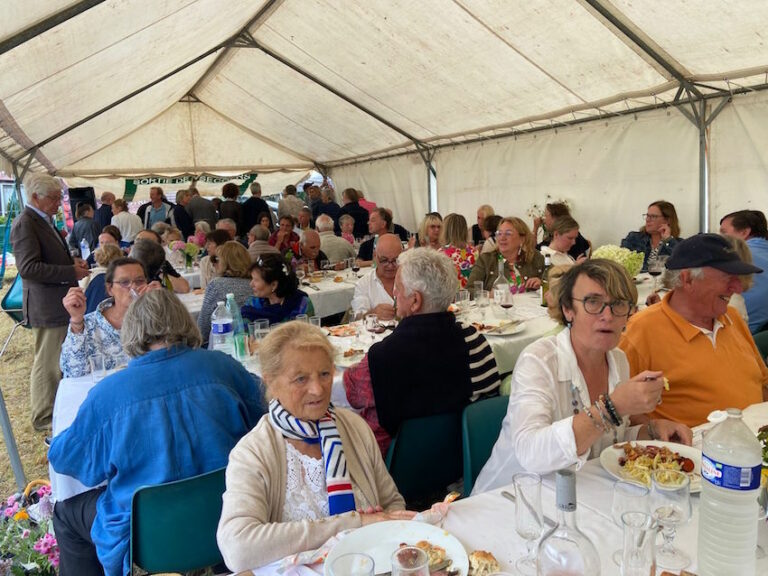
[[27, 543], [188, 249], [632, 261]]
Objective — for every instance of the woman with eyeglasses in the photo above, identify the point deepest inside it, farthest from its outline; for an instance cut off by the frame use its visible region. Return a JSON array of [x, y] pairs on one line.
[[516, 247], [660, 234], [99, 332], [571, 393]]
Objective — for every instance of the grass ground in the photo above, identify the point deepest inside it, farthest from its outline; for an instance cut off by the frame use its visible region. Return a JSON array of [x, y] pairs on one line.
[[15, 367]]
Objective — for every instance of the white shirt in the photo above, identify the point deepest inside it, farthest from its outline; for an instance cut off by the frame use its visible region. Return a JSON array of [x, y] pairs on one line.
[[537, 432], [369, 293], [557, 258], [128, 224]]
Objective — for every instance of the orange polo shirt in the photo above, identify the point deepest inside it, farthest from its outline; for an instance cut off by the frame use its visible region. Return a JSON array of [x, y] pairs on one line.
[[702, 377]]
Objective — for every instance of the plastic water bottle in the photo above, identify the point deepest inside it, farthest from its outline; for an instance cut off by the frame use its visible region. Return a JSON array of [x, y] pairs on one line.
[[222, 331], [85, 250], [730, 469], [239, 331]]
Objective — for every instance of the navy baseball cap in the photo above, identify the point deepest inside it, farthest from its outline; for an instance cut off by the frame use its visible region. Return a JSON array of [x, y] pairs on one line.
[[710, 250]]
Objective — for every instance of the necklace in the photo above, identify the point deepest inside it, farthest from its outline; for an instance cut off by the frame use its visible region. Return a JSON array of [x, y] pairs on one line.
[[577, 405]]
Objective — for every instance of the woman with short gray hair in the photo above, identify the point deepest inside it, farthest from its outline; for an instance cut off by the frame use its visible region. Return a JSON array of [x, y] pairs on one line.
[[279, 498], [176, 411], [405, 375]]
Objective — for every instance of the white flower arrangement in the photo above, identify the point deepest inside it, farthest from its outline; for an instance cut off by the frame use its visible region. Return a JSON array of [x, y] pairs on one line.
[[537, 211]]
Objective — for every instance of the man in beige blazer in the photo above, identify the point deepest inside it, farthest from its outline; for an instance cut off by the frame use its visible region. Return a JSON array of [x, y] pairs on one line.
[[47, 271]]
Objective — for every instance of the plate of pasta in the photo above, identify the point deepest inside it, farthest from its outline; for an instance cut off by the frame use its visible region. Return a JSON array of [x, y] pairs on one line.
[[635, 461]]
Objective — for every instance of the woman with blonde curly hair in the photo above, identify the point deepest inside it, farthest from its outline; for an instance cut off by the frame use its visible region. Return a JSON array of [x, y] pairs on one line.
[[516, 248], [231, 264]]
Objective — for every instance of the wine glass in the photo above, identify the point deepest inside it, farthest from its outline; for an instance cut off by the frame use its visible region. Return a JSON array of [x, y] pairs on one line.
[[671, 507], [372, 325], [503, 298], [300, 274], [627, 497], [656, 267], [355, 267], [354, 564], [528, 517], [325, 265], [358, 318], [410, 561]]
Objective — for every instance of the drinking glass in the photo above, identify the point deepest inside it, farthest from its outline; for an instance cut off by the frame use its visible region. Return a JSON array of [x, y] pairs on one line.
[[325, 265], [98, 371], [410, 561], [503, 298], [483, 300], [310, 267], [302, 318], [528, 517], [300, 274], [315, 321], [119, 360], [671, 507], [372, 325], [627, 497], [639, 557], [357, 322], [257, 330], [477, 286], [656, 267], [354, 564], [462, 300]]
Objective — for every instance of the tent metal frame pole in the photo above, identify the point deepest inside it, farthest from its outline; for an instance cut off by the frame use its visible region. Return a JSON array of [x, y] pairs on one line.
[[51, 22], [5, 420]]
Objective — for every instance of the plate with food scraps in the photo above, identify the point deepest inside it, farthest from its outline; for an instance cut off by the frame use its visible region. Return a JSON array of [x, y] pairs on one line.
[[342, 330], [381, 539], [506, 328], [347, 356], [634, 461]]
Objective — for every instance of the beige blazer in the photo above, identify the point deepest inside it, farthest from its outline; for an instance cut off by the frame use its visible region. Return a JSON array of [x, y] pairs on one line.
[[251, 533]]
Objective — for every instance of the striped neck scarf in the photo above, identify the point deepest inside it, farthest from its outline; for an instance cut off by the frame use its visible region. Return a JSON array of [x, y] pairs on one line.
[[323, 431]]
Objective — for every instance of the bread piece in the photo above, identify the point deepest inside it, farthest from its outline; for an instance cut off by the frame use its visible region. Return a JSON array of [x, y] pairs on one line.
[[436, 554], [482, 563]]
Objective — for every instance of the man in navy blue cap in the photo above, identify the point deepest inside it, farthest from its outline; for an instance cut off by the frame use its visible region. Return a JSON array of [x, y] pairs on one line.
[[702, 345]]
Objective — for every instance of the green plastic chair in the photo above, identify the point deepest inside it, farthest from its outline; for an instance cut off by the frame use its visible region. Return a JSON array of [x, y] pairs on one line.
[[480, 428], [425, 457], [173, 525], [761, 341]]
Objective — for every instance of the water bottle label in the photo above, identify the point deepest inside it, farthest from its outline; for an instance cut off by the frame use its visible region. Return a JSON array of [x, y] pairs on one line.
[[731, 477], [221, 328]]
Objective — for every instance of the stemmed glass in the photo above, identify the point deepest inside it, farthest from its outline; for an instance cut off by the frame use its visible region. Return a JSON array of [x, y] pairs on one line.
[[503, 298], [358, 319], [300, 274], [627, 497], [528, 517], [372, 325], [671, 507], [656, 268], [325, 265]]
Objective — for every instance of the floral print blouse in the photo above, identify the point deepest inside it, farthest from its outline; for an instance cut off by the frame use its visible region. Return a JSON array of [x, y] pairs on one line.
[[464, 259], [98, 337]]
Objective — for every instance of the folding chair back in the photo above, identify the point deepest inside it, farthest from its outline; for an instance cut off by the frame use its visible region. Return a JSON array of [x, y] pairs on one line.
[[173, 525]]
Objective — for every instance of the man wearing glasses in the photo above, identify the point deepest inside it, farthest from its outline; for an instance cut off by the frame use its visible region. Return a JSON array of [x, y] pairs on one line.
[[700, 343], [374, 291]]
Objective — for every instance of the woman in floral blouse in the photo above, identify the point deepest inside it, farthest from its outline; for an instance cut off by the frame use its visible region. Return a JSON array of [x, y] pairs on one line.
[[99, 331], [453, 238]]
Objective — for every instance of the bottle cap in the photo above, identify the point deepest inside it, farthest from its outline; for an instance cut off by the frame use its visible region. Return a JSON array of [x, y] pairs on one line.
[[230, 295], [220, 303], [565, 490], [717, 416]]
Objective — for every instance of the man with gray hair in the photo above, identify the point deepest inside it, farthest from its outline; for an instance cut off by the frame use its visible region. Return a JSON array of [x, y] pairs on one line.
[[700, 343], [48, 272], [257, 243], [290, 205], [336, 248], [229, 225], [430, 364]]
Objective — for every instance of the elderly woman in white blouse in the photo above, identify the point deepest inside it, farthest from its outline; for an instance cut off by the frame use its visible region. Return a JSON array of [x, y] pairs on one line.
[[290, 484], [571, 393]]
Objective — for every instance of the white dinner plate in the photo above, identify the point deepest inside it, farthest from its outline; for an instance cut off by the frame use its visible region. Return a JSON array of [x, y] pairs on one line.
[[381, 539], [345, 362], [609, 458], [507, 329]]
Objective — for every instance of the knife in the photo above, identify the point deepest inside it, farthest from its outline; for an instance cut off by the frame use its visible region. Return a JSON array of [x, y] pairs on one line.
[[315, 288], [547, 520]]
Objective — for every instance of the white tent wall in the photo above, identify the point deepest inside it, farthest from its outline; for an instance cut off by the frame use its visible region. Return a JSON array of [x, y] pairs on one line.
[[398, 183], [609, 172], [739, 157]]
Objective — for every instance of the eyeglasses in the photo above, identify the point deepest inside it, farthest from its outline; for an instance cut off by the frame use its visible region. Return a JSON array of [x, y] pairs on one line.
[[652, 216], [503, 234], [387, 261], [596, 305], [136, 282]]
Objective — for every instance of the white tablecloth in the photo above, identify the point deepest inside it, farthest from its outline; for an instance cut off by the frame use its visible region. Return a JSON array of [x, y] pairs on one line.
[[193, 277], [329, 298]]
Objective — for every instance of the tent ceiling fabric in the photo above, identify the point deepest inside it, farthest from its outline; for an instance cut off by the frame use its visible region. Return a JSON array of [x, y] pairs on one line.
[[434, 71]]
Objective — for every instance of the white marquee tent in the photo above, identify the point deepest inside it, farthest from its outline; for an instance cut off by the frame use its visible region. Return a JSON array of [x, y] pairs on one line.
[[606, 104]]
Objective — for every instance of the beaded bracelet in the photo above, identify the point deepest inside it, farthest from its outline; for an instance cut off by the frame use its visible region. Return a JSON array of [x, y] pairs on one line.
[[611, 409], [595, 423], [606, 421]]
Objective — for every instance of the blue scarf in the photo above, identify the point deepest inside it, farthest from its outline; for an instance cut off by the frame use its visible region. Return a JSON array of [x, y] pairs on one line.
[[323, 431]]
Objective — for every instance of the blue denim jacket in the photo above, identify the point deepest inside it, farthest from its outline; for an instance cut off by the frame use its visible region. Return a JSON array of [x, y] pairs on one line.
[[641, 242]]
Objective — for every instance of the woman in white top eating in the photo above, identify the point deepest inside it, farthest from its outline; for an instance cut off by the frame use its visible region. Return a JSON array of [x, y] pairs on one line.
[[571, 393]]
